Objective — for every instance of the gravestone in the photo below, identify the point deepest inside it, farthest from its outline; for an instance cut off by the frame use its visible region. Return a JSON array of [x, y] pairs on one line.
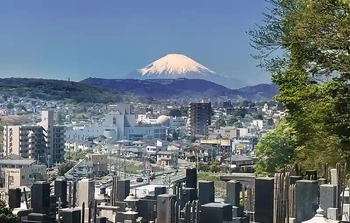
[[294, 179], [264, 198], [166, 208], [328, 197], [14, 200], [216, 213], [159, 190], [306, 199], [191, 178], [41, 202], [71, 215], [61, 191], [206, 192], [332, 213], [233, 192], [123, 189], [334, 177], [86, 191]]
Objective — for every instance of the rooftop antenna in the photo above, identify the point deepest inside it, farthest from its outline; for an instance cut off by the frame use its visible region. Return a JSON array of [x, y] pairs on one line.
[[68, 78]]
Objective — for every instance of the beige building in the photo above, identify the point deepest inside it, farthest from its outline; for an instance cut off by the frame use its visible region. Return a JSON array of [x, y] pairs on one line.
[[167, 158], [17, 172], [99, 162], [43, 142], [228, 132]]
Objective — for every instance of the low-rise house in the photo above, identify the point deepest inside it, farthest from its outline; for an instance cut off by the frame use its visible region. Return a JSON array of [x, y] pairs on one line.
[[16, 171], [167, 158], [99, 163]]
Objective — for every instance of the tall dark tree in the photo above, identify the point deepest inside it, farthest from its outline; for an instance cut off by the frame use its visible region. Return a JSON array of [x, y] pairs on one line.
[[311, 70]]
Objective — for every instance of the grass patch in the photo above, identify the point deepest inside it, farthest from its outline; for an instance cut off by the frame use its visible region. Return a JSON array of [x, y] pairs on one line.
[[220, 186]]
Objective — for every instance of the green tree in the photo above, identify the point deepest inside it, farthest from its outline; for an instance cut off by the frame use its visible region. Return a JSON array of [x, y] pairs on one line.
[[77, 155], [6, 214], [232, 121], [220, 122], [64, 167], [275, 150], [311, 72]]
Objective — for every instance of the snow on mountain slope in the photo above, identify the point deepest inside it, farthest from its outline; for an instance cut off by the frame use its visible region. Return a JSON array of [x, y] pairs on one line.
[[173, 66]]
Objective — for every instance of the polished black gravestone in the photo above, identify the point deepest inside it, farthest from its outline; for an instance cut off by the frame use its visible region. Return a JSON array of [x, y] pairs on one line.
[[123, 189], [166, 208], [147, 209], [264, 197], [206, 192], [40, 201], [188, 195], [306, 199], [159, 190], [71, 215], [216, 213], [61, 191], [14, 198], [191, 178], [233, 192]]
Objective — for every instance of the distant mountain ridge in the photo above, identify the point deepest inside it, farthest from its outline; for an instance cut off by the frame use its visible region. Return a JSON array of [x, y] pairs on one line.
[[48, 89], [181, 87], [174, 66]]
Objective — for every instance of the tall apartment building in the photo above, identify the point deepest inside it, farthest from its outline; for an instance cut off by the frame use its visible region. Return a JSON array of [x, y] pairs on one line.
[[43, 142], [199, 118]]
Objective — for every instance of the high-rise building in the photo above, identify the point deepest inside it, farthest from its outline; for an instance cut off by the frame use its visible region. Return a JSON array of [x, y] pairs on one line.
[[43, 142], [199, 118]]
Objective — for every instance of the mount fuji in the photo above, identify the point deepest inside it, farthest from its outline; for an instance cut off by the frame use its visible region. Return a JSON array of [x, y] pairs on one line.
[[174, 66]]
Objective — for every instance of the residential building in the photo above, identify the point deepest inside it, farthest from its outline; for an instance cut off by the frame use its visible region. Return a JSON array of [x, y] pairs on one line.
[[199, 118], [100, 163], [16, 172], [43, 142], [229, 132], [167, 158]]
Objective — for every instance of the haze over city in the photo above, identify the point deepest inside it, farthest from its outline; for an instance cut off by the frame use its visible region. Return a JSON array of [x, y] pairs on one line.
[[80, 39]]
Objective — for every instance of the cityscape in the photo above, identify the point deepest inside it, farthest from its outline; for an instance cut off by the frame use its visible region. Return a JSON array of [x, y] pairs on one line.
[[175, 131]]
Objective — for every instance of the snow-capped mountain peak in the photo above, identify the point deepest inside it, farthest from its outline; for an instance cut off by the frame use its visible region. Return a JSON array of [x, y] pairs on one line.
[[175, 64]]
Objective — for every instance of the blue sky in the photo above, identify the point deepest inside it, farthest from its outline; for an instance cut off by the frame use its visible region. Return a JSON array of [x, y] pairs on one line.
[[110, 38]]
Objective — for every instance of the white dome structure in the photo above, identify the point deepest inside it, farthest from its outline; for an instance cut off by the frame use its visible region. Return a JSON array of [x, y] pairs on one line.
[[163, 120]]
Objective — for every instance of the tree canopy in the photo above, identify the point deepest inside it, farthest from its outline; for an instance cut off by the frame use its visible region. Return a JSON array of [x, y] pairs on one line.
[[6, 214], [275, 150], [305, 45]]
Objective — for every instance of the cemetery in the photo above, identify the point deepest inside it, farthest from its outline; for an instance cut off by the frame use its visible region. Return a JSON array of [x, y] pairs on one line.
[[285, 198]]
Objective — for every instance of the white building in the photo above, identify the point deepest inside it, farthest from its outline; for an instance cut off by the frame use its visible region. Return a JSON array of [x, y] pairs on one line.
[[168, 121], [43, 142], [258, 123], [118, 125]]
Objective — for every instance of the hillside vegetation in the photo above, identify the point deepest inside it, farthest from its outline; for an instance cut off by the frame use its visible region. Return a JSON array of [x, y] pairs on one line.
[[47, 89]]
